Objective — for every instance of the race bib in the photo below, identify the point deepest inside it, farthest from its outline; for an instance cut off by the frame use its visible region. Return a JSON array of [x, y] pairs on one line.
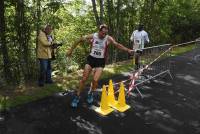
[[97, 52], [137, 41]]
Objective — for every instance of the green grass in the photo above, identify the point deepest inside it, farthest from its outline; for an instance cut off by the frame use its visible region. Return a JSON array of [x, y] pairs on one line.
[[180, 50], [25, 98], [70, 81]]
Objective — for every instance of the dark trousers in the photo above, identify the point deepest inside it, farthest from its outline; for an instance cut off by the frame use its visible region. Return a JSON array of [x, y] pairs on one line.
[[137, 59], [45, 71]]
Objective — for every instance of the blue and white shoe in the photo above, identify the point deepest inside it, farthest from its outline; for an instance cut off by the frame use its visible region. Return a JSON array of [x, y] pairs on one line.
[[90, 98], [75, 102]]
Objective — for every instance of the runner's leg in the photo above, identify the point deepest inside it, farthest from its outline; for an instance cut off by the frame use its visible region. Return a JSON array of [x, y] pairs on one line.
[[86, 73], [136, 61], [85, 76], [97, 75]]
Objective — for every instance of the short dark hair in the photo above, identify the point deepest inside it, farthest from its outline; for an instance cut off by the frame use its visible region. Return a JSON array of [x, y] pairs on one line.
[[103, 26], [140, 27]]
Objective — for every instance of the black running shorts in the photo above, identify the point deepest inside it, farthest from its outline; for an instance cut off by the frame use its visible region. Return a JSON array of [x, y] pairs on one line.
[[95, 62]]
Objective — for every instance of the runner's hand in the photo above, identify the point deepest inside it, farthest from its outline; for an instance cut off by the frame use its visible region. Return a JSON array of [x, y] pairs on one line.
[[131, 52]]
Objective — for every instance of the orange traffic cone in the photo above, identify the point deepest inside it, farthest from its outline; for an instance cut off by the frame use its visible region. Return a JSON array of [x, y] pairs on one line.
[[121, 104], [104, 109], [111, 97]]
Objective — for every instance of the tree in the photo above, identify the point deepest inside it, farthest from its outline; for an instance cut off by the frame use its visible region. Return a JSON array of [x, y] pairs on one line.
[[3, 46], [101, 11], [94, 5], [99, 20]]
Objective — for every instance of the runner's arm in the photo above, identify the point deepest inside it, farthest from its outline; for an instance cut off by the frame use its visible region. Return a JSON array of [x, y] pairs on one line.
[[119, 46], [132, 36], [77, 42], [146, 38]]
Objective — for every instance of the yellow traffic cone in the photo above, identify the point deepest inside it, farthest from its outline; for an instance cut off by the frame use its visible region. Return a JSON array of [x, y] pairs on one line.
[[104, 109], [111, 97], [121, 104]]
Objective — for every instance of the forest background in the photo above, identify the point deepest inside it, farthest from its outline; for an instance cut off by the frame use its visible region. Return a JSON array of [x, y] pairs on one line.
[[166, 21]]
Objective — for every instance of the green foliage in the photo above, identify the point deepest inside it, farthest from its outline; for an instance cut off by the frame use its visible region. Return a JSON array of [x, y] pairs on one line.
[[166, 21], [183, 17]]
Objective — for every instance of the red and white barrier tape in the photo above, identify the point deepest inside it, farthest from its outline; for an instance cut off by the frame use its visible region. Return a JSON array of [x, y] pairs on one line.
[[136, 75]]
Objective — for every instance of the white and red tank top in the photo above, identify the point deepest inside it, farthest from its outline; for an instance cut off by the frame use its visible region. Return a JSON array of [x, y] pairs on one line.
[[99, 46]]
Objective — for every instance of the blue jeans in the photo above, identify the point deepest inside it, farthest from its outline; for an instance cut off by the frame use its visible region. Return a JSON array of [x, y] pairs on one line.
[[45, 71]]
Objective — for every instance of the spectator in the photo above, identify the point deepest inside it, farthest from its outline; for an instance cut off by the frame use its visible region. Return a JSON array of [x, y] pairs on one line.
[[139, 38], [44, 56]]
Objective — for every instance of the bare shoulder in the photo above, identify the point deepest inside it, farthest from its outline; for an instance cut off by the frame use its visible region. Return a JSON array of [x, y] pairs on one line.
[[110, 38]]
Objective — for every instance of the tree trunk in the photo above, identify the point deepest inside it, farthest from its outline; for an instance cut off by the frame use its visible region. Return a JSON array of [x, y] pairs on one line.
[[3, 46], [94, 5], [118, 27], [101, 11], [38, 27], [22, 36], [109, 11], [118, 18], [38, 12], [146, 13]]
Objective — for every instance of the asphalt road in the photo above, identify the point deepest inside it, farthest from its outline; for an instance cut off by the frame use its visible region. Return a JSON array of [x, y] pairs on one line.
[[168, 107]]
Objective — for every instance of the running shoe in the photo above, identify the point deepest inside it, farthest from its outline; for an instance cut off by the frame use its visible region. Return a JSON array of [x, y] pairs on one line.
[[90, 98], [75, 102]]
